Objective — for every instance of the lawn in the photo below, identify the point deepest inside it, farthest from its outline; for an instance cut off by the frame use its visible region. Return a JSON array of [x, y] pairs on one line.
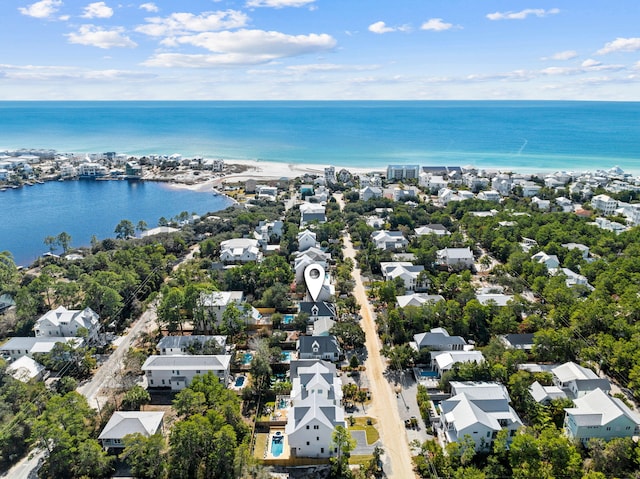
[[260, 445], [370, 429]]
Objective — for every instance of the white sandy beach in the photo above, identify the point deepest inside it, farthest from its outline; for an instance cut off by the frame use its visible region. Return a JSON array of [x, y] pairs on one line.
[[262, 171]]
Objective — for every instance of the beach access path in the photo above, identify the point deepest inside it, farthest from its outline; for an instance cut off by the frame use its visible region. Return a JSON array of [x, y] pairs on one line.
[[384, 408]]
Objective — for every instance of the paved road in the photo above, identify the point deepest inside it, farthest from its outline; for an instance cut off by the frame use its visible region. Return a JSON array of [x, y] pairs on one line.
[[397, 455], [104, 377]]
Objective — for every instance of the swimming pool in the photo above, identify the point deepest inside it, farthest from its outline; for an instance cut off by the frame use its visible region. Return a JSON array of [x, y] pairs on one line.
[[288, 319], [246, 359], [286, 356], [277, 444], [428, 374], [239, 381]]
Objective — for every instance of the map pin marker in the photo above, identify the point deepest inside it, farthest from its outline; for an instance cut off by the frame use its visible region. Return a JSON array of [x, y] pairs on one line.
[[314, 278]]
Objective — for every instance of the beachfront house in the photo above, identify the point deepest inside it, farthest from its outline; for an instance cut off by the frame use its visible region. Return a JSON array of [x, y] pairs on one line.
[[123, 423], [479, 410], [402, 172], [604, 204], [176, 372], [69, 323], [598, 415], [316, 410]]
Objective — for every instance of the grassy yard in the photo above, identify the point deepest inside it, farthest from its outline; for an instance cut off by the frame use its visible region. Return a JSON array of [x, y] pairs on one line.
[[361, 425], [260, 444], [360, 460]]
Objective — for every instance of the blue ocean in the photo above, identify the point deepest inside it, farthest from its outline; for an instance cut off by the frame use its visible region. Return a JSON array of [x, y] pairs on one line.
[[528, 136]]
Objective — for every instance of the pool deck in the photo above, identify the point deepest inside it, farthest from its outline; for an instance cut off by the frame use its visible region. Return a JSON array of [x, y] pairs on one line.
[[286, 450]]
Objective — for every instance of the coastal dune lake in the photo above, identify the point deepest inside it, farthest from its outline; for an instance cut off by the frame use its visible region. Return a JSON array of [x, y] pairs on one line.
[[84, 208]]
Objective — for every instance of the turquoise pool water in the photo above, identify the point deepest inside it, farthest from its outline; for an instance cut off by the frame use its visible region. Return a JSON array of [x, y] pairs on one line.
[[277, 445], [246, 359], [286, 356], [288, 319], [428, 374], [239, 381]]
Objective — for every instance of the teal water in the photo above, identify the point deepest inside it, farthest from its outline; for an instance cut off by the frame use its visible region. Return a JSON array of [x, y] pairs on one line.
[[522, 135], [86, 208]]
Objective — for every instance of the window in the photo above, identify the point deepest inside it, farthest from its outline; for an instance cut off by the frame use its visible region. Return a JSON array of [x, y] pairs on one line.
[[322, 450], [197, 371], [151, 381], [163, 381], [316, 427], [609, 428], [317, 438], [307, 443], [307, 426]]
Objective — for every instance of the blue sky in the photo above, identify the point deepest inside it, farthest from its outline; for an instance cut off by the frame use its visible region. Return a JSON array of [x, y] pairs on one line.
[[320, 49]]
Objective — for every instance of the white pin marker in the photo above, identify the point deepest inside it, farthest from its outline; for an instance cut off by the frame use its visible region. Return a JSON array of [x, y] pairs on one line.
[[314, 278]]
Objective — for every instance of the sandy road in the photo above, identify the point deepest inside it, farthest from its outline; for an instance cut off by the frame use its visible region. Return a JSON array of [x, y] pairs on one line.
[[383, 398]]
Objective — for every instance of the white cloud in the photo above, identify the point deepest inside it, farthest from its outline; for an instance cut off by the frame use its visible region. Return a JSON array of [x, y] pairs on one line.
[[149, 7], [590, 62], [565, 55], [329, 67], [436, 25], [97, 10], [522, 14], [243, 47], [278, 3], [41, 9], [181, 23], [620, 45], [46, 73], [94, 36], [381, 27]]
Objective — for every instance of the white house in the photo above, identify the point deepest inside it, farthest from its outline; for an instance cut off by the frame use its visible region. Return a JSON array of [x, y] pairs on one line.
[[479, 410], [499, 299], [577, 381], [401, 172], [17, 347], [123, 423], [369, 192], [306, 239], [316, 409], [545, 394], [240, 250], [445, 360], [489, 195], [318, 310], [598, 415], [312, 212], [389, 240], [432, 229], [605, 204], [417, 299], [216, 303], [438, 339], [550, 261], [169, 345], [25, 369], [65, 322], [543, 205], [584, 250], [408, 272], [455, 258], [177, 371]]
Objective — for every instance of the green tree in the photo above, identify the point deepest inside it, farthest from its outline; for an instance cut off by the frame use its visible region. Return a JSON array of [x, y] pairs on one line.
[[142, 226], [189, 402], [64, 240], [51, 242], [135, 397], [342, 443], [125, 229], [145, 455]]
